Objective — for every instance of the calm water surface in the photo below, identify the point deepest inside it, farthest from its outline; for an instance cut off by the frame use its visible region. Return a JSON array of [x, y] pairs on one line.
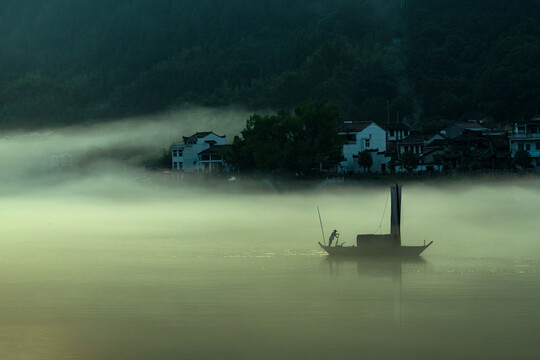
[[192, 275]]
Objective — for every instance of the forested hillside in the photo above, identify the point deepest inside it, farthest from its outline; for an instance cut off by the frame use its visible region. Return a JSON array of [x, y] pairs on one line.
[[65, 61]]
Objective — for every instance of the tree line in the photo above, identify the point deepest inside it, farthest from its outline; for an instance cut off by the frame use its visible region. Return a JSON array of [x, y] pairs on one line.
[[427, 62]]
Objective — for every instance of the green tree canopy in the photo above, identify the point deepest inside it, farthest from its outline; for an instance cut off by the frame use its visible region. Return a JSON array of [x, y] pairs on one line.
[[409, 160], [365, 160], [522, 158], [289, 142]]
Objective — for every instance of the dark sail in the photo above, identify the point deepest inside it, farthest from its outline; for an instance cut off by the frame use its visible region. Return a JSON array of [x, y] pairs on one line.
[[395, 218]]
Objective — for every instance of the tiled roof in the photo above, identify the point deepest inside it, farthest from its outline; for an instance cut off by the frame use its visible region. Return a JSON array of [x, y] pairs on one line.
[[470, 136], [371, 151], [533, 120], [475, 115], [437, 144], [469, 126], [358, 126], [492, 126], [413, 139], [214, 150], [430, 151], [395, 127], [199, 135]]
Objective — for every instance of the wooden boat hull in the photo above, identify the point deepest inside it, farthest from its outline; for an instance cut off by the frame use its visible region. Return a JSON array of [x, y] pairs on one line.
[[400, 251]]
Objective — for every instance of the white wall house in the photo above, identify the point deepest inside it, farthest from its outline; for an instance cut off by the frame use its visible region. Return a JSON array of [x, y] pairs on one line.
[[185, 156], [413, 143], [425, 148], [361, 136], [397, 132], [417, 143], [526, 136], [211, 159]]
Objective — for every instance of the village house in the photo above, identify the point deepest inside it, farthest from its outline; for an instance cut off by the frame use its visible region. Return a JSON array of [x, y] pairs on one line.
[[396, 132], [413, 143], [464, 145], [457, 129], [200, 152], [429, 151], [477, 143], [526, 136], [473, 122], [363, 136], [212, 159]]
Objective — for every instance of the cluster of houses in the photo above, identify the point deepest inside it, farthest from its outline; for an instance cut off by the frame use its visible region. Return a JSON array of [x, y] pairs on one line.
[[469, 144]]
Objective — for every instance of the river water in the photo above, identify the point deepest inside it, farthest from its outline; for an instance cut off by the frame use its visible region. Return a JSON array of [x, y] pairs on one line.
[[110, 270]]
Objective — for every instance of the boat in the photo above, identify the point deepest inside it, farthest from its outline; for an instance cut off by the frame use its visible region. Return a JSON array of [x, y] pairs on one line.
[[377, 244]]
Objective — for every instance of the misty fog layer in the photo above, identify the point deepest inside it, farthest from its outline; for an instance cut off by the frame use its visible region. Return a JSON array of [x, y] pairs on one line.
[[111, 269], [111, 261], [28, 160]]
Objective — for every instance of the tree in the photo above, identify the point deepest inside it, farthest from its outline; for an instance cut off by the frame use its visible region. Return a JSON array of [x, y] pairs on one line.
[[409, 160], [365, 160], [289, 142], [522, 159]]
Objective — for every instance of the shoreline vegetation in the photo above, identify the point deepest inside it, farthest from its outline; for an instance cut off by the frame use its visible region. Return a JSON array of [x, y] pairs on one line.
[[423, 61]]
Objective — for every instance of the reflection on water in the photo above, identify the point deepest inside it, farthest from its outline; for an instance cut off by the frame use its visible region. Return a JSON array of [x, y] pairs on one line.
[[230, 277], [378, 266], [381, 268]]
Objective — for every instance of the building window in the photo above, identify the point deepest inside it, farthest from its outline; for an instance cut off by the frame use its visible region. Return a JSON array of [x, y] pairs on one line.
[[392, 133], [528, 147], [520, 146], [367, 143], [180, 165], [205, 157], [351, 138]]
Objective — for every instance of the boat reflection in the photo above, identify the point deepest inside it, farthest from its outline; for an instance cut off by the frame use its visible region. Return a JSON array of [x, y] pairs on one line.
[[377, 266], [390, 268]]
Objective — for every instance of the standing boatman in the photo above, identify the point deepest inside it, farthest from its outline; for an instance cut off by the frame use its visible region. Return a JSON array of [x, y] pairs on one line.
[[333, 235]]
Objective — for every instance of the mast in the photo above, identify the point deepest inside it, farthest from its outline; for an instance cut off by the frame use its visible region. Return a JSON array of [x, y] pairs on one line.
[[395, 217]]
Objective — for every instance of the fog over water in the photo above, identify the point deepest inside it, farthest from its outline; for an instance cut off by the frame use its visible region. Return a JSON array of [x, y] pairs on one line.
[[110, 262]]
